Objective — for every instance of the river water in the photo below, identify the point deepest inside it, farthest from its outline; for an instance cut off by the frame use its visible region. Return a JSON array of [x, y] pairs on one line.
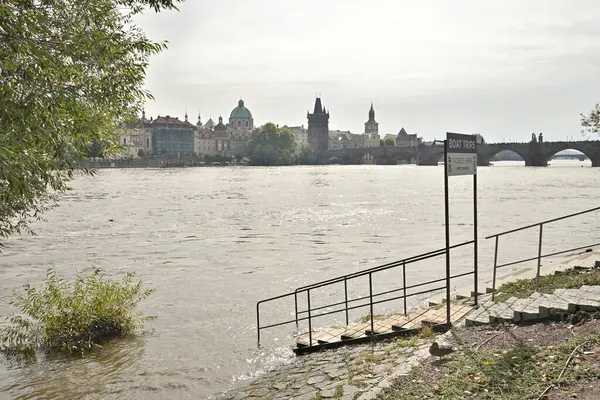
[[214, 241]]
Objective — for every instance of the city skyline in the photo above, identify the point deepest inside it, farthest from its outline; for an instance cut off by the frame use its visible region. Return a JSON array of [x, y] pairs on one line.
[[502, 69]]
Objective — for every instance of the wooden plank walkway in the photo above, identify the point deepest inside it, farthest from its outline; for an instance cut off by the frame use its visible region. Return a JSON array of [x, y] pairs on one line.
[[415, 320]]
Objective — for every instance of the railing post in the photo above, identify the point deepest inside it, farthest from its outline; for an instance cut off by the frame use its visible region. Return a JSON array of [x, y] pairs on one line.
[[309, 321], [258, 322], [296, 306], [539, 264], [404, 284], [495, 264], [371, 302], [346, 298]]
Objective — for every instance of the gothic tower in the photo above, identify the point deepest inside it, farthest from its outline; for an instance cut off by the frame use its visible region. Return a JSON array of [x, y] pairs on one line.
[[318, 128], [372, 126]]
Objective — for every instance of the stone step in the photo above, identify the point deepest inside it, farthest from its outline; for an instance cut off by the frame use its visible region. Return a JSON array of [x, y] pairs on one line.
[[526, 309], [550, 304], [578, 300]]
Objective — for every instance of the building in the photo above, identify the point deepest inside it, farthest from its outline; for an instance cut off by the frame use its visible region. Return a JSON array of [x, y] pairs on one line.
[[301, 134], [371, 126], [371, 136], [240, 119], [137, 137], [318, 128], [404, 139], [225, 140], [170, 136], [345, 140]]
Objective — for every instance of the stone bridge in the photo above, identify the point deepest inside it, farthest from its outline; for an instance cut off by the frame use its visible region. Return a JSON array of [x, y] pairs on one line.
[[534, 154]]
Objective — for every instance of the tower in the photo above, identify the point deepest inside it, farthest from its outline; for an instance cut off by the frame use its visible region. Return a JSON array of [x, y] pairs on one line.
[[318, 127], [372, 126]]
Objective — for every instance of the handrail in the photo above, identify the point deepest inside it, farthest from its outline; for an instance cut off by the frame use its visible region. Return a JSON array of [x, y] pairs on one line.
[[393, 264], [543, 222], [348, 303], [539, 253]]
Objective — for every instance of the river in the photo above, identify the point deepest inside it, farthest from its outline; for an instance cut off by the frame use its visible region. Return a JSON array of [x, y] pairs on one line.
[[214, 241]]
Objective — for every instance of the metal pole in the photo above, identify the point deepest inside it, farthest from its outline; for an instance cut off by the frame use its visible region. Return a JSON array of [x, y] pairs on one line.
[[309, 321], [346, 298], [371, 302], [495, 263], [539, 265], [296, 307], [258, 323], [404, 283], [447, 223], [475, 247]]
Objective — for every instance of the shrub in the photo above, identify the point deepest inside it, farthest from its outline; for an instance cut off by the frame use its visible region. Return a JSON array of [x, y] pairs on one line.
[[73, 317]]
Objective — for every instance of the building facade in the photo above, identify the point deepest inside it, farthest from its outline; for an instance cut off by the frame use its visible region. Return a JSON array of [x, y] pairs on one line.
[[172, 137], [318, 128], [404, 139], [301, 135], [225, 140]]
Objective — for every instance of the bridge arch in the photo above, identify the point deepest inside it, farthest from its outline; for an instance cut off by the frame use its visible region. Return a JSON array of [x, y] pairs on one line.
[[497, 149], [568, 146]]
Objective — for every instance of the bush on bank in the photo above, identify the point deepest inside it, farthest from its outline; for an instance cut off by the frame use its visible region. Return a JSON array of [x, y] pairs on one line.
[[73, 316]]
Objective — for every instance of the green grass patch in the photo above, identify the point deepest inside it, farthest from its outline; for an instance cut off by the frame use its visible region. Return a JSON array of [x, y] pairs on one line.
[[566, 280], [508, 374], [73, 316], [367, 318]]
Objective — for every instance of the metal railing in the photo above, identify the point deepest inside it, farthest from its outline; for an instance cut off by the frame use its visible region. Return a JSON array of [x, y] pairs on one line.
[[370, 300], [539, 253]]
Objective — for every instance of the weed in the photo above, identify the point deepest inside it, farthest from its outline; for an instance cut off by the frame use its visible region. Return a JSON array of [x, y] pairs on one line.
[[426, 332], [572, 278], [339, 392], [73, 317]]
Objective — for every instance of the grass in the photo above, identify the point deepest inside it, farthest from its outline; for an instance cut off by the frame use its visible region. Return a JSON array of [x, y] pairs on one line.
[[339, 392], [73, 317], [566, 280], [510, 374], [367, 318]]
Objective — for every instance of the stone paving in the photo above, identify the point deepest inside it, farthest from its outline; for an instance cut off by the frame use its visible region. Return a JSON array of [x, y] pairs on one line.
[[357, 372]]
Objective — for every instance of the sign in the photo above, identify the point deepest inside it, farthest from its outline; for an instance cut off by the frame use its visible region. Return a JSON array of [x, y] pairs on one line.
[[462, 154]]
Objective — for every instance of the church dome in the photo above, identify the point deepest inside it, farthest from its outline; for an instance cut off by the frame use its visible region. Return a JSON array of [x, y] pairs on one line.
[[240, 111]]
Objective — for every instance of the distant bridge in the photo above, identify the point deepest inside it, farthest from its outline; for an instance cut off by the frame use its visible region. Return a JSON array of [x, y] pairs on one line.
[[534, 154]]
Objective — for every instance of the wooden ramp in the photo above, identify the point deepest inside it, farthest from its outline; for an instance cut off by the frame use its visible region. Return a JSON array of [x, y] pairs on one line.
[[383, 327]]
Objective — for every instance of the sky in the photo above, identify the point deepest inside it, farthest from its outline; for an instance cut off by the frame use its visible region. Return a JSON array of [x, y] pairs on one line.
[[503, 69]]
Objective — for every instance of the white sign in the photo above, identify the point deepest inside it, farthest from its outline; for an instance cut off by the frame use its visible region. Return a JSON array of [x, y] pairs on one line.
[[462, 164]]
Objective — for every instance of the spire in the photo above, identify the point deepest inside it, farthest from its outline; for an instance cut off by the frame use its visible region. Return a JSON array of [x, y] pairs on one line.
[[143, 115], [199, 119], [372, 113], [186, 115], [318, 106]]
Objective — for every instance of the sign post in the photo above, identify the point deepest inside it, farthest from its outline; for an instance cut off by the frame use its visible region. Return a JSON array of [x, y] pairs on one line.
[[460, 158]]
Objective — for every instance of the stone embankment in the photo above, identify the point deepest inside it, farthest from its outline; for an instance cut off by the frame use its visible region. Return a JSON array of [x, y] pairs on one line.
[[357, 372]]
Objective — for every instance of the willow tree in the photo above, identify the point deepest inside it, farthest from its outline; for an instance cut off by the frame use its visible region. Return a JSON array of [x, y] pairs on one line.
[[71, 72], [591, 122]]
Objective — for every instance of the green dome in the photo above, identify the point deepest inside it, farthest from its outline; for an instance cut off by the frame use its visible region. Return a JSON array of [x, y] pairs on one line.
[[240, 111]]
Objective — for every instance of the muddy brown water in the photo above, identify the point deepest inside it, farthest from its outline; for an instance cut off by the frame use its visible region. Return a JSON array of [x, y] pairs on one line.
[[214, 241]]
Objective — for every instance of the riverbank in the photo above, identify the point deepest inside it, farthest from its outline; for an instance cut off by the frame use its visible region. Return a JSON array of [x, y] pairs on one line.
[[498, 361]]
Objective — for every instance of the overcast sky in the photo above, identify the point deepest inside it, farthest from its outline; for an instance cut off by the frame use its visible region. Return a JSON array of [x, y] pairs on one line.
[[500, 68]]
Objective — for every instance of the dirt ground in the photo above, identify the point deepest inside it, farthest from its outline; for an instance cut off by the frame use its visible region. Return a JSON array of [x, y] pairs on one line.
[[508, 338]]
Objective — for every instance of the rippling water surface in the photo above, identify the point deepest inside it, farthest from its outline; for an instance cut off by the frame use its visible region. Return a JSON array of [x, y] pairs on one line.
[[214, 241]]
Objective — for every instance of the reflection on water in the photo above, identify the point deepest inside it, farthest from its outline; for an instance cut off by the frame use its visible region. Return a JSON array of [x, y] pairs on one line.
[[214, 241]]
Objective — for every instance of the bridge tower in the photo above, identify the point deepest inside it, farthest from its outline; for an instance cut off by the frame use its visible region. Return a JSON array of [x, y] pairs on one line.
[[318, 128]]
